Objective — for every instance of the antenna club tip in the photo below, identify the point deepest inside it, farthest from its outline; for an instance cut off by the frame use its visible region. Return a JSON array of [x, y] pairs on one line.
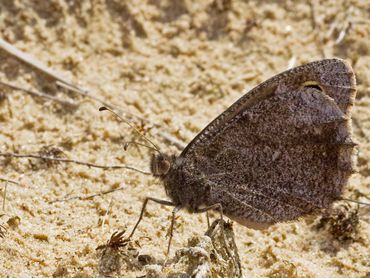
[[103, 108]]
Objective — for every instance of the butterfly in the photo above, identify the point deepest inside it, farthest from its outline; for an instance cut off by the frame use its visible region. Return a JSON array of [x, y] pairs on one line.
[[282, 151]]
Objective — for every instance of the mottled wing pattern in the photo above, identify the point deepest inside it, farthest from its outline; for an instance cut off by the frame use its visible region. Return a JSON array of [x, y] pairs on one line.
[[281, 151]]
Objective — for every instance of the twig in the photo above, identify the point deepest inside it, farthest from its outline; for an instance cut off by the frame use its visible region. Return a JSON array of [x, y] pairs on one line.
[[68, 85], [180, 145], [33, 62], [87, 197], [10, 181], [359, 193], [106, 167], [99, 100], [174, 141], [39, 94], [59, 80], [355, 201]]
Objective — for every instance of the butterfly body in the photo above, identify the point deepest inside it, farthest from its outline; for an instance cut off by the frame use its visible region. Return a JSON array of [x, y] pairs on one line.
[[282, 151]]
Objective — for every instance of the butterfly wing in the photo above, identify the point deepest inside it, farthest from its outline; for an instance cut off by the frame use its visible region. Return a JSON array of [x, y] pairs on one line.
[[281, 151]]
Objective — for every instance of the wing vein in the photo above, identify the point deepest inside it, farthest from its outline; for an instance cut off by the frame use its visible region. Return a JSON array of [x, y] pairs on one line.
[[248, 205], [260, 193]]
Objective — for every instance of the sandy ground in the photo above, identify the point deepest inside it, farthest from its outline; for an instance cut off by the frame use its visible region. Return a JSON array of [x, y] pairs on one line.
[[177, 64]]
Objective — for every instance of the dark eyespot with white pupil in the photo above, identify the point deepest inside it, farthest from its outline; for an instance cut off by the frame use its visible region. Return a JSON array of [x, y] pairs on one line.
[[317, 87], [313, 85]]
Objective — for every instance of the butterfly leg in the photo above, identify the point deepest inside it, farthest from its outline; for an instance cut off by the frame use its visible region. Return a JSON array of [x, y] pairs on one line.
[[216, 206], [208, 222], [159, 201], [170, 231]]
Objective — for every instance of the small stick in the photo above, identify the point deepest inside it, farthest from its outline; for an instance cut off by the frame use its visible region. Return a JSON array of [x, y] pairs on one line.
[[355, 201], [59, 80], [33, 62], [87, 197], [10, 181], [99, 100], [106, 167], [68, 85], [180, 145], [39, 94], [174, 141]]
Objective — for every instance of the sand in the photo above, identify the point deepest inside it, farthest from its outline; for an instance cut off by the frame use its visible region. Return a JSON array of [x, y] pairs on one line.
[[176, 64]]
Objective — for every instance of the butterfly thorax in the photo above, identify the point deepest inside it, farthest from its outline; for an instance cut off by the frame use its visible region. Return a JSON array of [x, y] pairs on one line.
[[163, 166], [179, 184]]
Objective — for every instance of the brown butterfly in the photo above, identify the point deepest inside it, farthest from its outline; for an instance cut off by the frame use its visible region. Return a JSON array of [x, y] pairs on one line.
[[282, 151]]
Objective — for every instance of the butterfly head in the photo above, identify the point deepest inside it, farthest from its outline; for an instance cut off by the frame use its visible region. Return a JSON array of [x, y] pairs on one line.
[[160, 164]]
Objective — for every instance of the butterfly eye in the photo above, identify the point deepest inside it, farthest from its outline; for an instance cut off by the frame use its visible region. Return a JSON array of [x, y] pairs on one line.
[[164, 167], [160, 165]]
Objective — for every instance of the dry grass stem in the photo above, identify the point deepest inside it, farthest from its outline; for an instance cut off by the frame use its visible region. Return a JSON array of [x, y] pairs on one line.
[[88, 197], [65, 160], [40, 94]]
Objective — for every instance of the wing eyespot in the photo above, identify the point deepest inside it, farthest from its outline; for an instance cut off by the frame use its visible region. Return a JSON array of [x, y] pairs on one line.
[[312, 84]]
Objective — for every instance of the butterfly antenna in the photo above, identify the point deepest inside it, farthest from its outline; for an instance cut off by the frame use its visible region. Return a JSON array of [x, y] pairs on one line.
[[127, 144], [103, 108]]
